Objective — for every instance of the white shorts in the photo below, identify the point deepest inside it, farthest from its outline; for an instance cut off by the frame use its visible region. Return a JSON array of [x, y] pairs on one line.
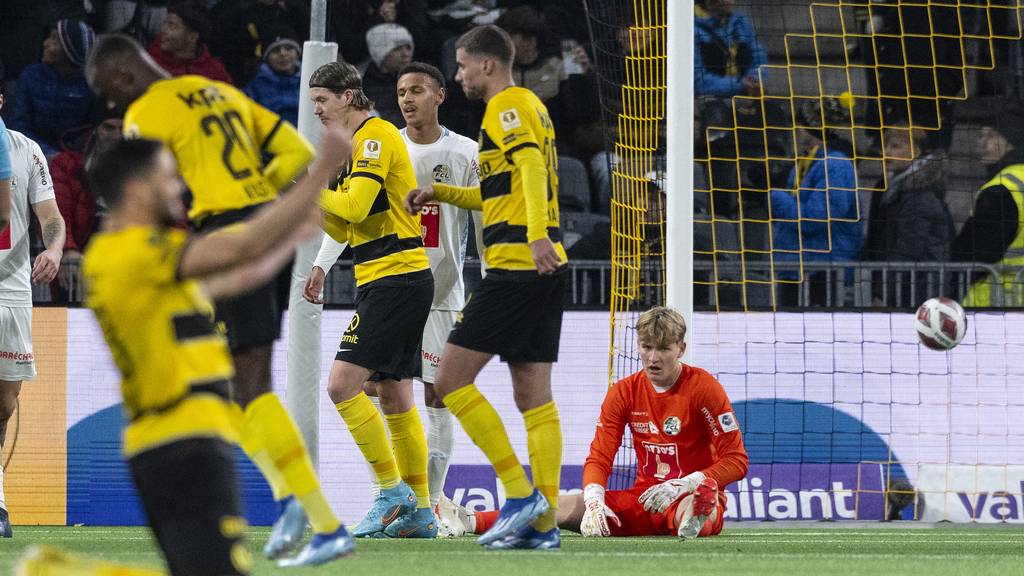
[[16, 359], [435, 336]]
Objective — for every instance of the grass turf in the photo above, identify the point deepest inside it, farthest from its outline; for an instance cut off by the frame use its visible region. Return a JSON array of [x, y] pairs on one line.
[[762, 551]]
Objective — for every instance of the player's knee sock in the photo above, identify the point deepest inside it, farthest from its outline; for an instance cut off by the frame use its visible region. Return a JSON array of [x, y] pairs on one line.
[[251, 444], [367, 429], [440, 443], [482, 423], [484, 521], [374, 486], [410, 446], [544, 438], [266, 418]]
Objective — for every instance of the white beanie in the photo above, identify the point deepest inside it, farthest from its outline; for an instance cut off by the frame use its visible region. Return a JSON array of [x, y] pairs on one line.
[[383, 38]]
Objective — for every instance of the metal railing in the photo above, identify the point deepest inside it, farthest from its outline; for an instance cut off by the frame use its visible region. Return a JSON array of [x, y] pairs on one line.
[[731, 284]]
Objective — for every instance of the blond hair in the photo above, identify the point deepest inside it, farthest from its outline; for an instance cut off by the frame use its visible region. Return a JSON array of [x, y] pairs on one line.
[[661, 326]]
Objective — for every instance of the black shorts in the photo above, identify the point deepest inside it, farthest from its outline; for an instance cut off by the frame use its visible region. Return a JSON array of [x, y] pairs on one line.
[[191, 497], [387, 330], [515, 314], [252, 319]]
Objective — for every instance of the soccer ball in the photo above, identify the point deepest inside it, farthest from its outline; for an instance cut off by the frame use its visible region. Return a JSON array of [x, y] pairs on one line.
[[941, 323]]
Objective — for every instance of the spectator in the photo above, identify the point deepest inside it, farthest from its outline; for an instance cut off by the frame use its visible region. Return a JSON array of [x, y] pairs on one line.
[[391, 49], [727, 54], [994, 234], [245, 29], [352, 19], [181, 47], [817, 217], [76, 202], [276, 85], [53, 96], [571, 99], [140, 19], [910, 221]]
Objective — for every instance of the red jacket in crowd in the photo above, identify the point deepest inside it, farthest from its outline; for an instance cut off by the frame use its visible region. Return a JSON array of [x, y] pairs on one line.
[[73, 198], [203, 65]]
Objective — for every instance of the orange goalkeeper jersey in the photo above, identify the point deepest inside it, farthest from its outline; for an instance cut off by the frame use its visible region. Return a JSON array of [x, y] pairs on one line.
[[686, 428]]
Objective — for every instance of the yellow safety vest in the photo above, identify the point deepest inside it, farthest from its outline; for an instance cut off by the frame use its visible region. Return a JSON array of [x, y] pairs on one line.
[[980, 294]]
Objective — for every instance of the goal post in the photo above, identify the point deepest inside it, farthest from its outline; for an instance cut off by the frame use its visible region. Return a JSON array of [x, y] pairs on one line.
[[679, 164]]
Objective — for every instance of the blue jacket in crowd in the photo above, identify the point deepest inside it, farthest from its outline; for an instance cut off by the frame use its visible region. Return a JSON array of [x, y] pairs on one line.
[[278, 93], [838, 176], [724, 53], [47, 104]]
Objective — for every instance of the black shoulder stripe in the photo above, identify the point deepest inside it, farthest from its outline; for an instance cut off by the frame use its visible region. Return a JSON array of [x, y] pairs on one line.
[[369, 175], [273, 132], [518, 147]]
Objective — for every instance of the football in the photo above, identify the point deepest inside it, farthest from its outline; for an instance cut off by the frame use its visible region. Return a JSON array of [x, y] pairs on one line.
[[941, 323]]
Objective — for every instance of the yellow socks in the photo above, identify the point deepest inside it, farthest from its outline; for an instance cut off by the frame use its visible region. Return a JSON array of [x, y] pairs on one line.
[[482, 423], [271, 435], [410, 448], [544, 438], [367, 428]]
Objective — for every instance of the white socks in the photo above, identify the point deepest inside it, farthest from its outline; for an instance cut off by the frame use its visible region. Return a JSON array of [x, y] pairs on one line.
[[440, 443]]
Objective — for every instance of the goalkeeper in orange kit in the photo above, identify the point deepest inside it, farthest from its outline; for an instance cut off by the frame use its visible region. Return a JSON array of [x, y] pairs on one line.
[[687, 443]]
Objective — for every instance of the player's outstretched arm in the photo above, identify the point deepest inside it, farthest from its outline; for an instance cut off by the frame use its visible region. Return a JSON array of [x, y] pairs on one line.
[[270, 227], [467, 197], [241, 279]]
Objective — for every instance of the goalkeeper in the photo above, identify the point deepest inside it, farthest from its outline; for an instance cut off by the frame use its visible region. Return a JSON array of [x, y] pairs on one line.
[[687, 443]]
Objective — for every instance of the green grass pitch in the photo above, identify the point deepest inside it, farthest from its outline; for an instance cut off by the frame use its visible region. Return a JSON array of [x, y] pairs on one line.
[[762, 551]]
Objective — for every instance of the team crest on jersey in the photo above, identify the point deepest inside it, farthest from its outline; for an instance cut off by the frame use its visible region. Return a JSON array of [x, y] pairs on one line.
[[671, 425], [510, 119], [442, 173], [728, 422], [371, 149]]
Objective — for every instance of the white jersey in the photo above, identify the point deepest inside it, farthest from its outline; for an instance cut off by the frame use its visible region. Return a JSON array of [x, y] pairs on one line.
[[30, 184], [445, 228]]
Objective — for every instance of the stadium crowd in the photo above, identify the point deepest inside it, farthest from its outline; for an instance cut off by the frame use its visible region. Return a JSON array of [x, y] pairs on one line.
[[828, 206]]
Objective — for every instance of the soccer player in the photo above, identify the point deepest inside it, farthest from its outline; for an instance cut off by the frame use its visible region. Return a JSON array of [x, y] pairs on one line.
[[219, 137], [438, 155], [687, 444], [30, 185], [516, 312], [382, 342], [149, 285]]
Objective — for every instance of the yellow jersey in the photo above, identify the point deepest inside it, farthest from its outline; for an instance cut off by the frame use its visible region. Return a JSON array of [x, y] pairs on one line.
[[366, 209], [514, 119], [175, 365], [219, 137]]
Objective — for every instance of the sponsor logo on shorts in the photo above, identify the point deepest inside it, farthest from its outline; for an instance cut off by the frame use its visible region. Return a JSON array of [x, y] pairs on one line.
[[17, 357], [433, 359], [349, 337], [671, 425]]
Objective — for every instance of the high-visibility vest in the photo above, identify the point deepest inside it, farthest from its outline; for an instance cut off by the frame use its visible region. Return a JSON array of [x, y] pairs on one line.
[[980, 294]]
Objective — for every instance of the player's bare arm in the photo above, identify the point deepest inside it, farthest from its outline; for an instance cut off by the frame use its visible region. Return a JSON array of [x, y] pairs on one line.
[[221, 251], [47, 264]]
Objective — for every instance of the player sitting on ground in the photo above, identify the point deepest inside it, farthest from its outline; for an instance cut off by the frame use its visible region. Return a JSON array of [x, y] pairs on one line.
[[220, 138], [150, 287], [687, 444], [438, 155]]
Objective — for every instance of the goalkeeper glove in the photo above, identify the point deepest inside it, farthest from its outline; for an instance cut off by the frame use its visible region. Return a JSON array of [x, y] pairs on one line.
[[659, 497], [596, 514]]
